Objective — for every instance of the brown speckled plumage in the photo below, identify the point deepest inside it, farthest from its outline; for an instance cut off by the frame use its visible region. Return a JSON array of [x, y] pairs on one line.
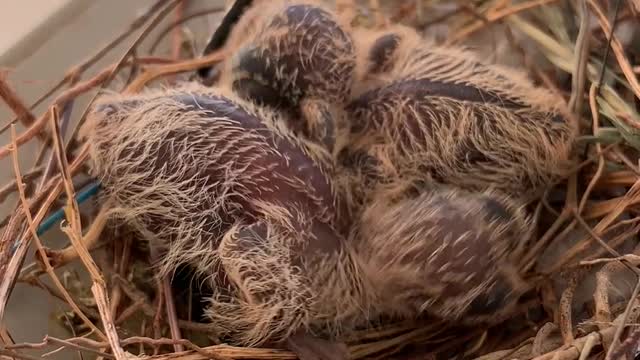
[[326, 182], [441, 113], [446, 252], [423, 115], [217, 183], [297, 57], [214, 182]]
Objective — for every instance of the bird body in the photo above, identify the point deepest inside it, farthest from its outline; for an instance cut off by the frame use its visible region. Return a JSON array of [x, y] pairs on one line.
[[216, 183], [442, 114], [334, 177]]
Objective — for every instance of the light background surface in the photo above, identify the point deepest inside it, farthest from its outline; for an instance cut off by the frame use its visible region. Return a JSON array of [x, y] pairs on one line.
[[39, 41]]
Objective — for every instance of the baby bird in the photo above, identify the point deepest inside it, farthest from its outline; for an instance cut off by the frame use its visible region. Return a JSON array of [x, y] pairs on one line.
[[296, 57], [391, 100], [410, 122], [424, 115], [442, 113], [219, 184], [444, 252], [218, 179]]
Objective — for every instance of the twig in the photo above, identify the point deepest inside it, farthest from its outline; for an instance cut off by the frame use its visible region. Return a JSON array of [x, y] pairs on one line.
[[531, 256], [13, 185], [8, 246], [498, 15], [129, 311], [620, 205], [123, 60], [44, 146], [64, 124], [100, 294], [595, 116], [66, 255], [603, 243], [617, 47], [618, 178], [625, 160], [566, 301], [16, 355], [607, 50], [221, 352], [82, 196], [32, 228], [200, 327], [471, 10], [602, 208], [183, 66], [157, 330], [591, 342], [172, 317], [541, 338], [120, 267], [13, 246], [15, 103], [74, 231], [66, 96], [178, 22], [69, 343], [581, 59], [614, 242], [41, 122], [5, 336], [135, 25], [620, 327], [601, 294], [575, 349], [53, 352], [633, 259], [176, 45], [225, 351], [51, 290], [182, 342], [92, 60], [627, 345], [138, 296]]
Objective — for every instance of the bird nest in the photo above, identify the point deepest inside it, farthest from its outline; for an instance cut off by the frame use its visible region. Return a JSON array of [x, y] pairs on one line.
[[583, 265]]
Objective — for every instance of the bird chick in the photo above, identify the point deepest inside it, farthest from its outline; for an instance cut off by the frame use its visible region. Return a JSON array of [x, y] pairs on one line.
[[294, 56], [219, 184], [424, 115], [445, 252], [440, 111]]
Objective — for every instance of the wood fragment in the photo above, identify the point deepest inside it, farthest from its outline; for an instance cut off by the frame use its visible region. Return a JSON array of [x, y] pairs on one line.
[[74, 231], [494, 17], [32, 229], [14, 102]]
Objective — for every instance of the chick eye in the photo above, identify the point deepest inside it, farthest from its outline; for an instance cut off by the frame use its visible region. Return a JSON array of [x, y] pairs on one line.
[[255, 78], [381, 52]]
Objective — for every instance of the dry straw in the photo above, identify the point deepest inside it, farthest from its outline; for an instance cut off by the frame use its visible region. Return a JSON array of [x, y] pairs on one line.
[[554, 39]]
